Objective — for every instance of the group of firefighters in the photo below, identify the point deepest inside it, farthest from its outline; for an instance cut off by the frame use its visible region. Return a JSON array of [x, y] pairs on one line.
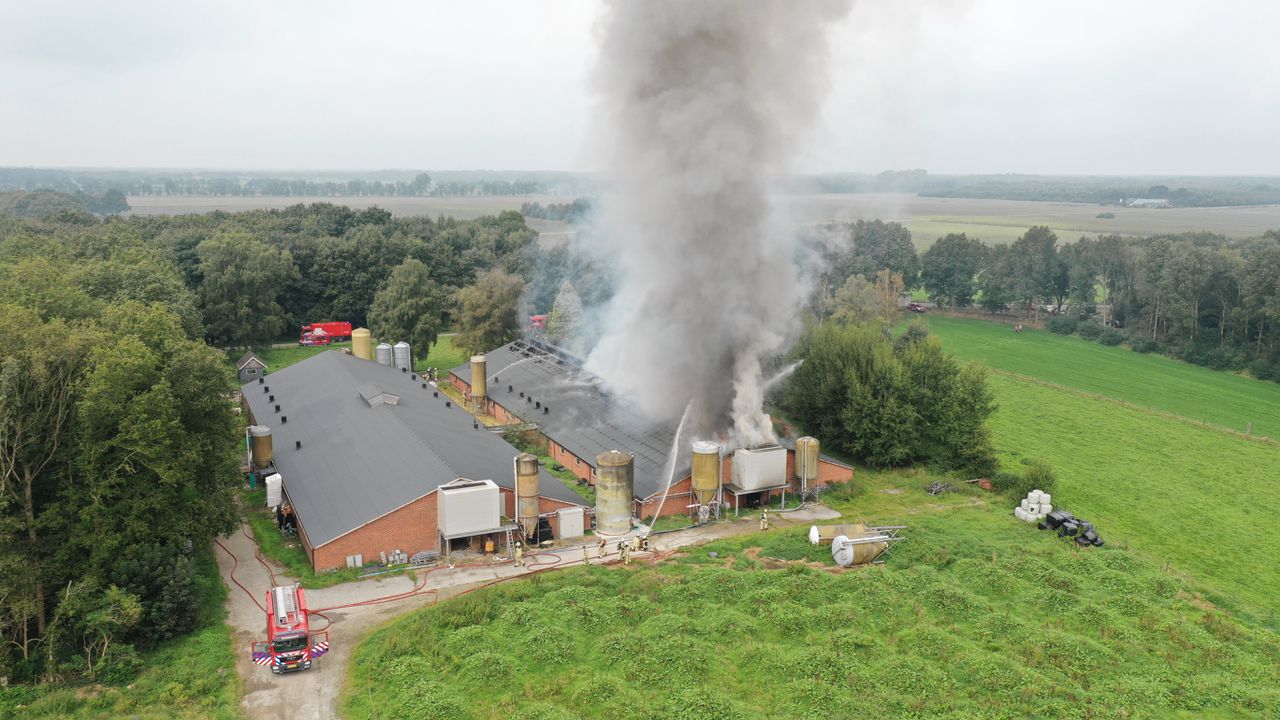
[[625, 547]]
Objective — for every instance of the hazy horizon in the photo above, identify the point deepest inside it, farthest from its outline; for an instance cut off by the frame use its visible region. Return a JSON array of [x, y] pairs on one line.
[[956, 87]]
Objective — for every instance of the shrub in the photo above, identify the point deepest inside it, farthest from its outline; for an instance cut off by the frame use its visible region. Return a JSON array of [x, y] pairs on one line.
[[1110, 336], [1265, 369], [1063, 325], [1144, 345], [1090, 330], [1037, 476]]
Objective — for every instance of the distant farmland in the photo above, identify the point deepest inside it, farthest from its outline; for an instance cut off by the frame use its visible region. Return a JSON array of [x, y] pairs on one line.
[[995, 221]]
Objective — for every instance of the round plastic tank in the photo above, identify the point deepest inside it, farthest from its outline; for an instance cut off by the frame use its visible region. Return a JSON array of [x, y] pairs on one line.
[[383, 354], [261, 444], [401, 355], [806, 470], [527, 491], [706, 471], [615, 473], [362, 343]]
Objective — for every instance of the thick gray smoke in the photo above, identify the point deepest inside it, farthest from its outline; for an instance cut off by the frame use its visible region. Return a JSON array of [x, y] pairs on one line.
[[705, 103]]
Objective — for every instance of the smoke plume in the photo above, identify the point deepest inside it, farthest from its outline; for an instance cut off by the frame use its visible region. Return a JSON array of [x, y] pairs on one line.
[[704, 105]]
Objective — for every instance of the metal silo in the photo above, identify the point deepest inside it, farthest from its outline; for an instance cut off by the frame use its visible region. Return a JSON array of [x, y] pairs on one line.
[[401, 355], [527, 493], [362, 343], [706, 471], [383, 354], [479, 383], [261, 435], [806, 464], [615, 474]]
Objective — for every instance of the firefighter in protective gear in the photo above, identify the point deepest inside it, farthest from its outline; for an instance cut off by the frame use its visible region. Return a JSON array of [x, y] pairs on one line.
[[764, 519], [600, 546], [624, 552], [519, 555], [586, 556]]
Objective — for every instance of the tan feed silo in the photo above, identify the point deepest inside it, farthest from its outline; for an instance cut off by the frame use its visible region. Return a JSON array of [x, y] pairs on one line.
[[362, 343], [261, 435], [479, 383], [527, 493], [706, 471], [806, 465], [615, 475]]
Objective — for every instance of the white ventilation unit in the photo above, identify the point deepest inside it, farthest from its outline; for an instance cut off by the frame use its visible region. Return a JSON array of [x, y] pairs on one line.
[[572, 522], [759, 468], [469, 507]]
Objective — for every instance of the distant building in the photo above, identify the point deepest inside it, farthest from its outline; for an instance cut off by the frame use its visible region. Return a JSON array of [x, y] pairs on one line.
[[1147, 203], [250, 368], [367, 451]]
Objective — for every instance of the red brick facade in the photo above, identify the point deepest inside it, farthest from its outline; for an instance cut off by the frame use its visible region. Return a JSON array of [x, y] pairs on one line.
[[410, 529]]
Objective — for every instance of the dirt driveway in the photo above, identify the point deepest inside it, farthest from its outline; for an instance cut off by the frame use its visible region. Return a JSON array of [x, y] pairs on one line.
[[314, 694]]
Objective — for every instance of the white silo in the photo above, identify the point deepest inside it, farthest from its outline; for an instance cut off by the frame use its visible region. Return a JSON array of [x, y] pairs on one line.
[[382, 354]]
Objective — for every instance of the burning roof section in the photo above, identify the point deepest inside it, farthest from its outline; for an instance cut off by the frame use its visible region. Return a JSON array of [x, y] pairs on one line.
[[577, 411]]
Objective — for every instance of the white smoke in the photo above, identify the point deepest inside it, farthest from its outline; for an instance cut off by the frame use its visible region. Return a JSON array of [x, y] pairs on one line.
[[704, 103]]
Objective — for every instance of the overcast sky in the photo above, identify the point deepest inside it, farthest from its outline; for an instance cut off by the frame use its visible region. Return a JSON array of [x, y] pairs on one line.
[[1107, 86]]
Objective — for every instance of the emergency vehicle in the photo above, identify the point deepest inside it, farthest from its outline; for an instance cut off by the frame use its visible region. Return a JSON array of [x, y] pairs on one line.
[[290, 644], [324, 333]]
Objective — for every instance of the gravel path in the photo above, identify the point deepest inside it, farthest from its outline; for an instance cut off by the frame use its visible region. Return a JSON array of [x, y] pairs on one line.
[[314, 693]]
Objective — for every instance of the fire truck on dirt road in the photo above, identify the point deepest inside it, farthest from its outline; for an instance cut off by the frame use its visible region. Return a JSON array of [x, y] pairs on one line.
[[290, 644]]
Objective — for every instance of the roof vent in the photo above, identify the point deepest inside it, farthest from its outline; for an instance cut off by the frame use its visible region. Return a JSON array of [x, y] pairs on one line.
[[528, 399], [475, 425], [510, 388], [434, 393], [448, 404], [277, 408], [271, 398], [537, 405], [546, 410], [414, 377], [521, 393], [284, 419], [424, 386], [261, 380], [297, 444], [266, 389]]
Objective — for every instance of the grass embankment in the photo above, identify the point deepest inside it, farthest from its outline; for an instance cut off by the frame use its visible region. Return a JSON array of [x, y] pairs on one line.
[[188, 677], [443, 355], [287, 551], [1152, 381], [278, 359], [975, 615]]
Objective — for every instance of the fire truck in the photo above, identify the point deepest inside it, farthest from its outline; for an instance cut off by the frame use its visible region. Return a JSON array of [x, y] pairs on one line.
[[324, 333], [290, 645]]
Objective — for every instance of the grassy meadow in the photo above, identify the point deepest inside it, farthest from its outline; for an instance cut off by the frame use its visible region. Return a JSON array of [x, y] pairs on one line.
[[974, 615], [443, 354]]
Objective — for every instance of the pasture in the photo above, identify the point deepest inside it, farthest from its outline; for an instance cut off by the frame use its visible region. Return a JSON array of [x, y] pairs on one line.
[[1150, 381]]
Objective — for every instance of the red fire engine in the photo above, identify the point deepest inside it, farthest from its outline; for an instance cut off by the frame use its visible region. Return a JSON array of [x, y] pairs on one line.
[[290, 644], [324, 333], [537, 322]]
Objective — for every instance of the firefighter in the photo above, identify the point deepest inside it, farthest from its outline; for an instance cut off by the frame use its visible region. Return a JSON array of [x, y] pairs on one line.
[[764, 519], [600, 546], [519, 555], [624, 553], [586, 556]]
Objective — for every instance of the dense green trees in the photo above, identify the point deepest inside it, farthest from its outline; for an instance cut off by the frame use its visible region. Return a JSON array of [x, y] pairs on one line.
[[949, 269], [866, 247], [488, 312], [892, 403], [409, 307], [242, 282], [566, 314], [119, 451]]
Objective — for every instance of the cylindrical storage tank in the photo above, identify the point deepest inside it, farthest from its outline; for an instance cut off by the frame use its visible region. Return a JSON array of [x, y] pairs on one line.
[[479, 382], [527, 492], [362, 343], [382, 354], [400, 355], [261, 435], [806, 472], [825, 534], [615, 474], [706, 471], [845, 553]]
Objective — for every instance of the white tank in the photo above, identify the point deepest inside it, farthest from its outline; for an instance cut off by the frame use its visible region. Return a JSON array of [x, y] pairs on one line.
[[382, 354], [275, 490], [401, 355]]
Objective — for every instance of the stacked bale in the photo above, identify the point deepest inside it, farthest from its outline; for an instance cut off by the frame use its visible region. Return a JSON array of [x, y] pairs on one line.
[[1034, 507], [1072, 528]]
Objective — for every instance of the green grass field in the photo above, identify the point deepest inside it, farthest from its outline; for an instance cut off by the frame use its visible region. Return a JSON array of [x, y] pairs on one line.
[[974, 616], [1151, 381], [443, 355], [190, 677]]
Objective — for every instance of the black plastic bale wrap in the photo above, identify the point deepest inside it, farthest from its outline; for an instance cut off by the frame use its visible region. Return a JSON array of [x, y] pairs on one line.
[[1043, 526], [1068, 529], [1082, 542]]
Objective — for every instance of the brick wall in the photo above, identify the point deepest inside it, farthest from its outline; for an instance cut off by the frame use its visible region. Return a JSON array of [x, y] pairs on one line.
[[411, 529]]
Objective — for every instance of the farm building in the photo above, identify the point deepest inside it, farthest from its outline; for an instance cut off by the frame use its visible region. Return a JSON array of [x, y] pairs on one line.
[[250, 368], [538, 384], [373, 459]]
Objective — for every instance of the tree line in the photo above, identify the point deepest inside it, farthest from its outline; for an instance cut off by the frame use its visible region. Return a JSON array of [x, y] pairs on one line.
[[119, 450], [572, 212], [1200, 297]]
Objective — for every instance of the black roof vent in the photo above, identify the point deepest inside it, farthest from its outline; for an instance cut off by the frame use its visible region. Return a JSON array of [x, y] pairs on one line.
[[277, 408], [538, 405], [284, 419], [546, 410], [475, 425], [266, 389], [510, 388], [261, 380], [448, 404], [404, 369], [434, 393], [297, 444], [424, 386], [414, 377], [271, 398], [529, 399]]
